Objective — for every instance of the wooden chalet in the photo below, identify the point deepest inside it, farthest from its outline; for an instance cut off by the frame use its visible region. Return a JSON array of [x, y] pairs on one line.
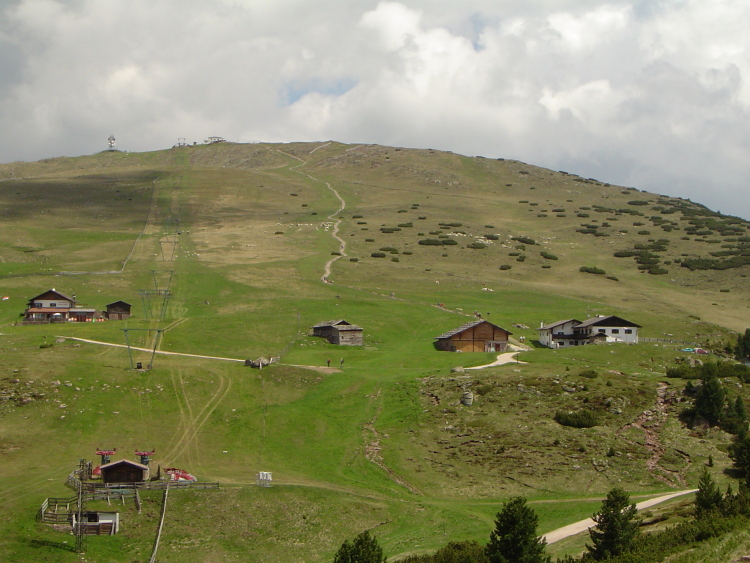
[[476, 336], [118, 311], [124, 471], [340, 332], [53, 306]]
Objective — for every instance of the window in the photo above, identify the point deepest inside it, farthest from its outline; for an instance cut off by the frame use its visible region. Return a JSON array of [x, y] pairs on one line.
[[603, 331], [615, 331], [53, 304], [628, 331], [37, 304], [562, 343]]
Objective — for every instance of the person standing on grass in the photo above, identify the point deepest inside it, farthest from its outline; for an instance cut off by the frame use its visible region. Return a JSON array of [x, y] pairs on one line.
[[329, 362], [341, 363]]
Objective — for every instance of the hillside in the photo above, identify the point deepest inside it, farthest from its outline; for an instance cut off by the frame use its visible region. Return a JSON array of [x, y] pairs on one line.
[[256, 244]]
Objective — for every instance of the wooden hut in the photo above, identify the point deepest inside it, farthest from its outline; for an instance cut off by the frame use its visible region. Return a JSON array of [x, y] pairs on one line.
[[476, 336], [118, 311], [339, 332], [124, 471]]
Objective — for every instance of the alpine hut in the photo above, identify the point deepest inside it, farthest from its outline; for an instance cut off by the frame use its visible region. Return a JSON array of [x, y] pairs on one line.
[[339, 332], [475, 336]]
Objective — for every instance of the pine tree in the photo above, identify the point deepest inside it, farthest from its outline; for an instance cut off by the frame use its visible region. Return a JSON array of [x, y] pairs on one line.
[[708, 497], [742, 350], [616, 526], [514, 538], [709, 403], [364, 549]]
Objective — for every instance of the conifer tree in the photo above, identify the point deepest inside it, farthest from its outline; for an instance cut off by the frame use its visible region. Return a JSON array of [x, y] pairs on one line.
[[616, 526], [708, 497], [514, 538], [364, 549]]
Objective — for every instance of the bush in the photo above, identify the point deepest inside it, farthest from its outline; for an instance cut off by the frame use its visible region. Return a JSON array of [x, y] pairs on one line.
[[589, 270], [505, 267], [589, 374], [353, 259], [525, 240], [491, 237], [369, 240], [378, 254], [477, 245], [548, 256], [579, 419], [521, 258]]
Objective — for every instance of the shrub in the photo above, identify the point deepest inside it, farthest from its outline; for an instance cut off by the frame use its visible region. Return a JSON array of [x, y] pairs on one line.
[[353, 259], [624, 254], [525, 240], [388, 249], [579, 419], [546, 266], [394, 259], [431, 242], [407, 252], [369, 240], [589, 374], [449, 242], [279, 233], [356, 216], [589, 270], [378, 254], [476, 245], [505, 267], [644, 232], [548, 256], [521, 258], [491, 237], [335, 253]]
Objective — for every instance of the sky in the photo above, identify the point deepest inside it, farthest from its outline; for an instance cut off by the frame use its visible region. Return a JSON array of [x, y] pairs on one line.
[[653, 94]]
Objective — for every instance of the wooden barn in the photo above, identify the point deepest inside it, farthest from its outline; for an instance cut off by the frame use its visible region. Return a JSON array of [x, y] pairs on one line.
[[339, 332], [118, 311], [124, 471], [476, 336]]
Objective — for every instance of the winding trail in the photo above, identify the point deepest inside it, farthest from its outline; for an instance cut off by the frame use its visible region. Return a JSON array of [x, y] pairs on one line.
[[583, 525], [335, 231]]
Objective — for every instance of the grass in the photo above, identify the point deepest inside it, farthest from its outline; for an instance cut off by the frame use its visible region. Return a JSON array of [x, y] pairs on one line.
[[383, 444]]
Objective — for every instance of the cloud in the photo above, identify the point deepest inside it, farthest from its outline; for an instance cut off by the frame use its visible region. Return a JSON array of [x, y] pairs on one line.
[[654, 95]]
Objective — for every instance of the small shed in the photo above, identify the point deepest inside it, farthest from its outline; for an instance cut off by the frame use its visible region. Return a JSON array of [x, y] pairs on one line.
[[340, 332], [476, 336], [124, 471], [118, 311]]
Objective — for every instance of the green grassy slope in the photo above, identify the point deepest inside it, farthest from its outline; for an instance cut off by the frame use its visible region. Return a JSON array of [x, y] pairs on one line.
[[244, 232]]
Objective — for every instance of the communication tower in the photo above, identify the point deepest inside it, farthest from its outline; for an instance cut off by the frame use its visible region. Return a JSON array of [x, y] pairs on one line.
[[111, 142]]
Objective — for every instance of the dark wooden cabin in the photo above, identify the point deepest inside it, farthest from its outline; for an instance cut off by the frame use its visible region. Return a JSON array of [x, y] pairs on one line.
[[340, 332], [124, 471], [476, 336], [118, 311]]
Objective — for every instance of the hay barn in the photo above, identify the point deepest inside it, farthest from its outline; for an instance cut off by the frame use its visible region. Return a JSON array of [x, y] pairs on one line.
[[340, 332], [476, 336]]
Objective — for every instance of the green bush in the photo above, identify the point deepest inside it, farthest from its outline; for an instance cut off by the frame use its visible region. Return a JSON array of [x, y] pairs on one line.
[[505, 267], [590, 270], [589, 373], [378, 254], [578, 419], [476, 245], [548, 256], [525, 240]]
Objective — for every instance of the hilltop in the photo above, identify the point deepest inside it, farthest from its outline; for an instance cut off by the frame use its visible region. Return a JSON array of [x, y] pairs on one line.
[[259, 242]]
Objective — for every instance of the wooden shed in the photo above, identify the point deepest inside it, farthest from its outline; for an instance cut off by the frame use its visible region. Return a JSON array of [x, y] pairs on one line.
[[118, 311], [124, 471], [476, 336], [339, 332]]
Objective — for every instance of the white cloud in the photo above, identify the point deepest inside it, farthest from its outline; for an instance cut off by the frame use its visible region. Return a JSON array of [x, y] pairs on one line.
[[649, 94]]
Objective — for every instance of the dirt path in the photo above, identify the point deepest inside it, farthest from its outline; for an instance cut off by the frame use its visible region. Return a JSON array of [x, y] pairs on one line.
[[335, 231], [149, 350], [583, 525], [502, 359]]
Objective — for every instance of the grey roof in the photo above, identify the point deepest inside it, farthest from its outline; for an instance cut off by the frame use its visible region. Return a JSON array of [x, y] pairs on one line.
[[558, 323], [466, 327], [611, 320], [331, 323], [342, 328]]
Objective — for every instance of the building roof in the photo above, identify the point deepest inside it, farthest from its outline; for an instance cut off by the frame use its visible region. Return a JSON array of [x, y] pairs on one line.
[[118, 303], [48, 310], [610, 320], [53, 290], [467, 326], [558, 323], [342, 328], [331, 323], [124, 462]]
